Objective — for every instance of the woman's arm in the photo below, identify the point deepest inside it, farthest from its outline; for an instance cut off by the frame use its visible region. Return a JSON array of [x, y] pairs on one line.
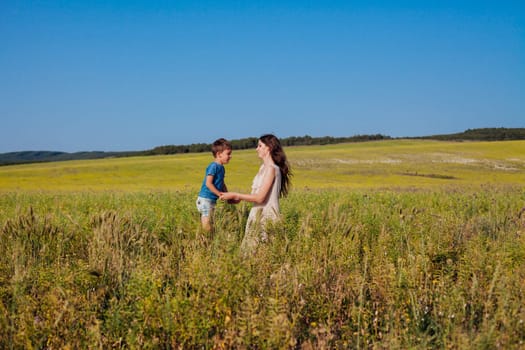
[[258, 197]]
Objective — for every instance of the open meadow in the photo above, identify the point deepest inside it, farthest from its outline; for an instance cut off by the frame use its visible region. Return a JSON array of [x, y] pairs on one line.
[[383, 245]]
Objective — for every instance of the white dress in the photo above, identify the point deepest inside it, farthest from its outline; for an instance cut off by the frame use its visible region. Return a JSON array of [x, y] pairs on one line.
[[261, 213]]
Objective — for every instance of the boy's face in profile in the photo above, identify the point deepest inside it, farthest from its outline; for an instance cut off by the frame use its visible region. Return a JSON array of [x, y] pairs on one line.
[[224, 156]]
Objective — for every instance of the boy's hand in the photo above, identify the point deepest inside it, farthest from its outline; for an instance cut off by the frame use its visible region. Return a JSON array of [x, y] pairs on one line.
[[230, 197]]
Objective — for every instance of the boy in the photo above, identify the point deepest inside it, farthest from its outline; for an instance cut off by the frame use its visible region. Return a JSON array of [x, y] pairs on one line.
[[213, 183]]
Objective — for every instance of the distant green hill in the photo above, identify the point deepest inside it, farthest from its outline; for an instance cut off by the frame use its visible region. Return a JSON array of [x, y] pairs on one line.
[[485, 134], [50, 156]]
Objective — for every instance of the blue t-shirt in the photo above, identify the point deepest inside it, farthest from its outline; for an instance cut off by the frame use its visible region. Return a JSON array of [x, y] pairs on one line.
[[218, 172]]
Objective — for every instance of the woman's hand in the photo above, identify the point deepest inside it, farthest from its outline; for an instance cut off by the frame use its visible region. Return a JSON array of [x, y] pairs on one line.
[[230, 197]]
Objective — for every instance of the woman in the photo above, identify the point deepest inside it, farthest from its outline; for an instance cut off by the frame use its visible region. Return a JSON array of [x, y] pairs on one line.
[[271, 182]]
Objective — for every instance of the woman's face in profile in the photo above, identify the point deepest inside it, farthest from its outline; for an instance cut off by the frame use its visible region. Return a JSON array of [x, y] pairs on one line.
[[262, 149]]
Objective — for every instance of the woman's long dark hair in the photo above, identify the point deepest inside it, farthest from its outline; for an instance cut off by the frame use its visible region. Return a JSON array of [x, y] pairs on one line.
[[279, 158]]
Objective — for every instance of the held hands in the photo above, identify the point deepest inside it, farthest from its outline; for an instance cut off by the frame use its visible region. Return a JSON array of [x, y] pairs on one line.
[[230, 197]]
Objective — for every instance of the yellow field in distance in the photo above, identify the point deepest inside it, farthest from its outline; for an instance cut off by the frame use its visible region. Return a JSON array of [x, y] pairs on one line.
[[391, 164]]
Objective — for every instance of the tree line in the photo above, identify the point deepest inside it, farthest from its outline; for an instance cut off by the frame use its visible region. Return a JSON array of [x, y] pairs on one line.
[[251, 142], [482, 134]]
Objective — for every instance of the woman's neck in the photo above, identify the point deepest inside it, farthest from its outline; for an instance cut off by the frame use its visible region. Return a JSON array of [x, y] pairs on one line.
[[268, 161]]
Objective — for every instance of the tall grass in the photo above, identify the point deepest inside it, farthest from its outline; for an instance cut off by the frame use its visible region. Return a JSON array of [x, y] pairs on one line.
[[397, 270]]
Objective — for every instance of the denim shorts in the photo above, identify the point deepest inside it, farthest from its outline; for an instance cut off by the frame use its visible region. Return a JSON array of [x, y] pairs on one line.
[[205, 206]]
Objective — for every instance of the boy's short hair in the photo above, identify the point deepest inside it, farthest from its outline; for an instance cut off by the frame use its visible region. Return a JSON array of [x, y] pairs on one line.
[[220, 145]]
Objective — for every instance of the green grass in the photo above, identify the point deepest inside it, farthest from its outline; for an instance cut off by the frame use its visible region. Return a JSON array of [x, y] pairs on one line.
[[424, 252]]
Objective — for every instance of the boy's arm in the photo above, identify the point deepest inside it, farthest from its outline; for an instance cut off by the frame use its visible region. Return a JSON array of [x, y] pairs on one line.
[[211, 186]]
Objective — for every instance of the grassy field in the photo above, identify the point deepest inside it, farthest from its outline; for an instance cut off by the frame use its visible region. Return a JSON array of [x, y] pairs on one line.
[[384, 245], [401, 164]]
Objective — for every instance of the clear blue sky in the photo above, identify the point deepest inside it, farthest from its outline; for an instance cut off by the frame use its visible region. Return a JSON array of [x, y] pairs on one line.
[[132, 75]]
